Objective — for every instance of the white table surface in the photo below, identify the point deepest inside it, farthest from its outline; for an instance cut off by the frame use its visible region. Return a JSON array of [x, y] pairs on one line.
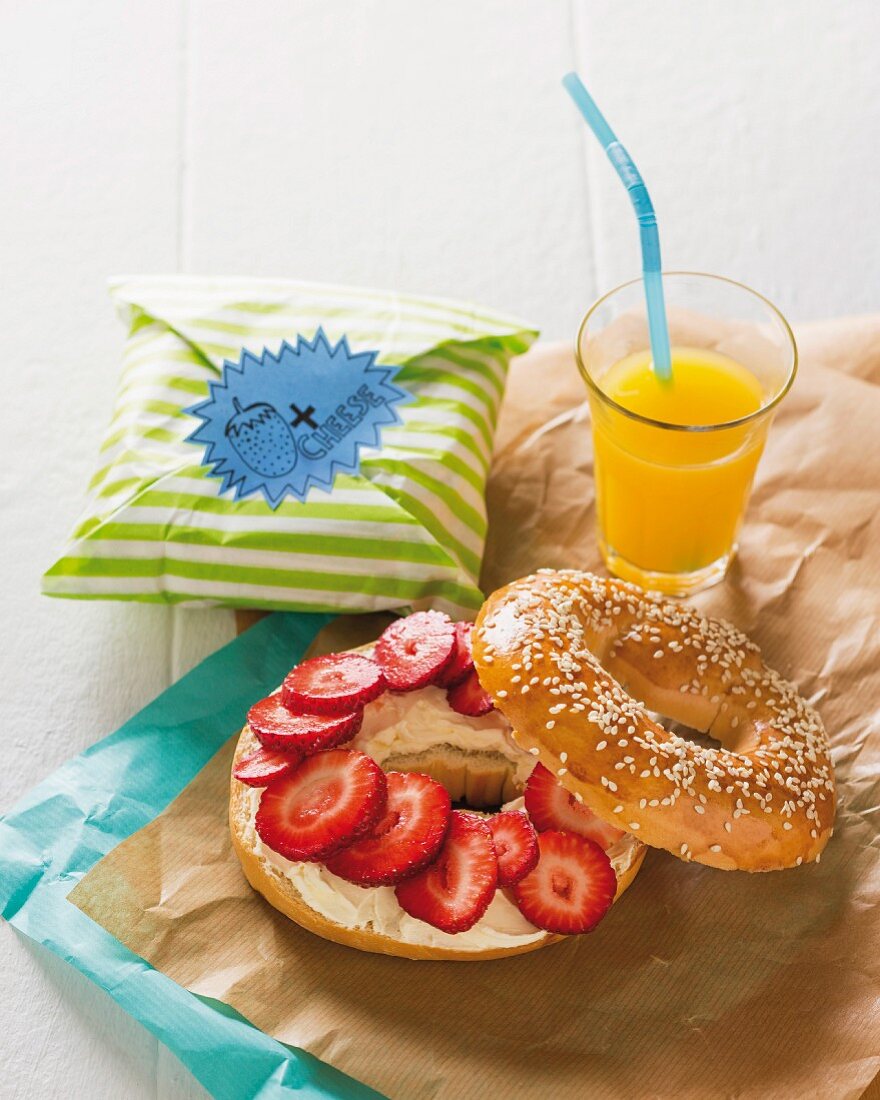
[[400, 143]]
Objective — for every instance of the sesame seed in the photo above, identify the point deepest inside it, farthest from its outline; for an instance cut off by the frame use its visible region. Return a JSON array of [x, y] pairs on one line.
[[714, 847], [699, 810], [634, 825], [618, 809], [788, 772], [534, 750]]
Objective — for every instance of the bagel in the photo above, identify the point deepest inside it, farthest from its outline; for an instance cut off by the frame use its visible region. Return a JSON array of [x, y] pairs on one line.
[[568, 655], [477, 761]]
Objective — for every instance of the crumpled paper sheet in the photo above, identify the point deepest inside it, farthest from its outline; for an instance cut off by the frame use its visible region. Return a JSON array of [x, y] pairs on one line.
[[700, 983]]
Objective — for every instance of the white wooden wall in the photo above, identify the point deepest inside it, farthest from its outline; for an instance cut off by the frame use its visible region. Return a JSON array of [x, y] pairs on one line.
[[405, 143]]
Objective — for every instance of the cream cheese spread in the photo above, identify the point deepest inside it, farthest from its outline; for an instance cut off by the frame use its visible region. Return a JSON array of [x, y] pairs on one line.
[[404, 724]]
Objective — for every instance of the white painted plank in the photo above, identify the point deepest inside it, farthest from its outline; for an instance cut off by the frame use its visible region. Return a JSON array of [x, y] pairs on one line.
[[419, 146], [756, 128], [66, 1037], [89, 187]]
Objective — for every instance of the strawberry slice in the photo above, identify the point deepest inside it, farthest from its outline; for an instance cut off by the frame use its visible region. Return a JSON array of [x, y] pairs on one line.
[[330, 800], [516, 845], [259, 768], [551, 806], [276, 728], [572, 887], [336, 684], [455, 890], [405, 838], [468, 697], [414, 651], [462, 659]]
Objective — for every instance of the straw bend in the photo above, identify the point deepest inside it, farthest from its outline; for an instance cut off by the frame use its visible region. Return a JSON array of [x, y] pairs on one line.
[[632, 180], [641, 200], [648, 233]]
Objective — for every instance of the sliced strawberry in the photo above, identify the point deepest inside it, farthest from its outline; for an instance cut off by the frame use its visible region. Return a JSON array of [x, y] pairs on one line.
[[516, 845], [405, 838], [259, 768], [455, 890], [462, 659], [469, 698], [330, 800], [337, 683], [414, 651], [276, 728], [572, 887], [551, 806]]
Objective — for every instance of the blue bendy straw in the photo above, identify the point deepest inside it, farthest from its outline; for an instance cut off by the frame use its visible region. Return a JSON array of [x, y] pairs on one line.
[[644, 209]]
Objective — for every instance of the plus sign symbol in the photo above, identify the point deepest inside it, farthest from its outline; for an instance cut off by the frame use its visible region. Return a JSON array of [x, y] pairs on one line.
[[303, 416]]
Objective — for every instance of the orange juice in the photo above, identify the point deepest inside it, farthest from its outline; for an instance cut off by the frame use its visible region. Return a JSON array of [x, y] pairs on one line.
[[670, 500]]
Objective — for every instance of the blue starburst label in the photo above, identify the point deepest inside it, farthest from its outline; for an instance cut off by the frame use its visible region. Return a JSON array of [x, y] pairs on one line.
[[281, 424]]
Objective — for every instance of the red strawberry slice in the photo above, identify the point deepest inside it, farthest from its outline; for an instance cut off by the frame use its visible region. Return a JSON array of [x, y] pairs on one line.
[[455, 890], [551, 806], [259, 768], [414, 651], [516, 845], [405, 838], [330, 800], [276, 728], [469, 698], [572, 887], [462, 659], [337, 683]]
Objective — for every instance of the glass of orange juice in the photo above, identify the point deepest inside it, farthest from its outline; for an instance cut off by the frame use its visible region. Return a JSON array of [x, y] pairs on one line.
[[674, 461]]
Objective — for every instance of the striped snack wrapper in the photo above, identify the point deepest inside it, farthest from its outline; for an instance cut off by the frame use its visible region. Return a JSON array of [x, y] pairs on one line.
[[404, 526]]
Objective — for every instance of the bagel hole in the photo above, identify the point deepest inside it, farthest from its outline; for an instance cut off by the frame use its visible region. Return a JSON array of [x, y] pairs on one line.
[[687, 733], [480, 781], [482, 809], [740, 737]]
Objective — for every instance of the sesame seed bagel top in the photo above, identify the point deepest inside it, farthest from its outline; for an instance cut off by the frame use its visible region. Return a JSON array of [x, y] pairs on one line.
[[566, 655]]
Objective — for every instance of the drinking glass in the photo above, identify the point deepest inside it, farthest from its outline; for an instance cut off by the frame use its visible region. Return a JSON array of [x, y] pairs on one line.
[[671, 497]]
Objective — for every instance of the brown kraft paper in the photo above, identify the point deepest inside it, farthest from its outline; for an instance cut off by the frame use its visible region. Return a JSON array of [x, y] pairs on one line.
[[699, 983]]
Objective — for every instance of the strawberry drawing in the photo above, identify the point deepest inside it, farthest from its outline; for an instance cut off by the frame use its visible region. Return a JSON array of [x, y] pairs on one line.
[[262, 439]]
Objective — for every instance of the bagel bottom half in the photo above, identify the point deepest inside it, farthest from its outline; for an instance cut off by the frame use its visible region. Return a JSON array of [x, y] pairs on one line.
[[444, 763]]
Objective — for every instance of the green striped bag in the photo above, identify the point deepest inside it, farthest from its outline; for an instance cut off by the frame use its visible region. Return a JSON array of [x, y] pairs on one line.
[[407, 529]]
